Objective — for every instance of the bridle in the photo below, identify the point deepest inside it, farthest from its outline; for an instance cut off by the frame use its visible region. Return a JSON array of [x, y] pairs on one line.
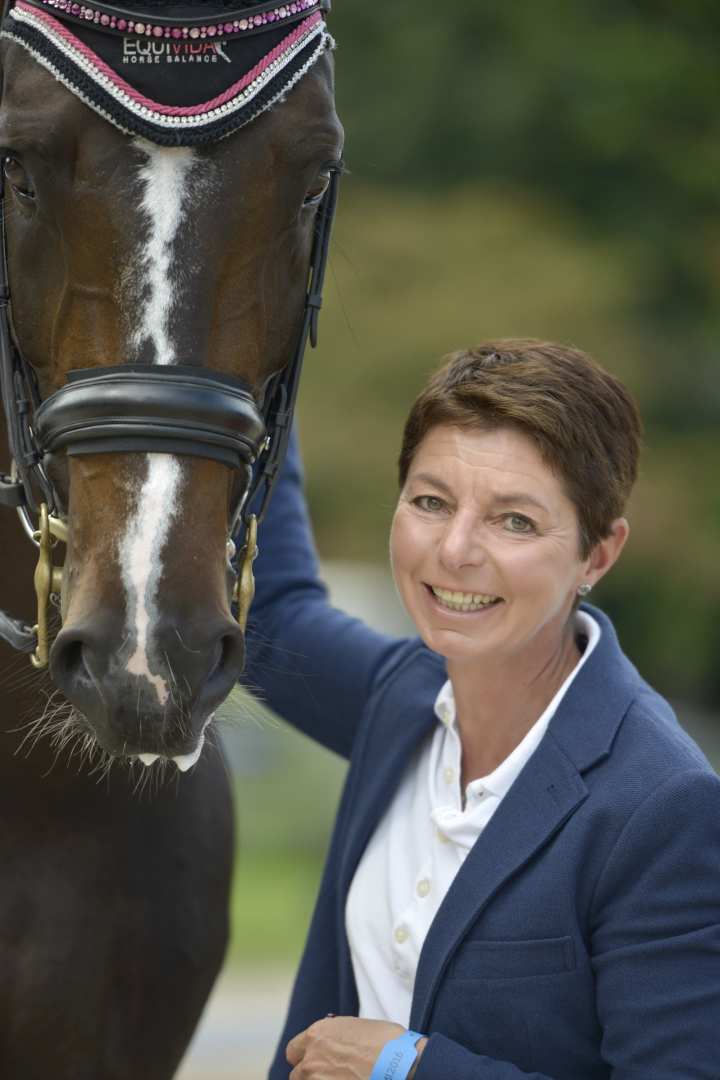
[[146, 408]]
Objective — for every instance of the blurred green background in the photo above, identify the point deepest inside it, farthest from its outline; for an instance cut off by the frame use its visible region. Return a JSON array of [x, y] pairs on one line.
[[515, 169]]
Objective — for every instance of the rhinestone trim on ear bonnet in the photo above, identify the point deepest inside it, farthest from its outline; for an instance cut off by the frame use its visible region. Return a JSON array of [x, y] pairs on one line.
[[177, 81]]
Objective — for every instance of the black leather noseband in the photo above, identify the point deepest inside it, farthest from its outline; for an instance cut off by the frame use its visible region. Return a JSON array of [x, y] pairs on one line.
[[146, 408]]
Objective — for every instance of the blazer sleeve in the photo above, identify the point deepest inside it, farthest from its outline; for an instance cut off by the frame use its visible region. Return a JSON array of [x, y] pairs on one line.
[[312, 664], [655, 947]]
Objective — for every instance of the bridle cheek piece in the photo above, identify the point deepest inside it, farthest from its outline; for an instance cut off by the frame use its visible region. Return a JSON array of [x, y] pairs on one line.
[[145, 408]]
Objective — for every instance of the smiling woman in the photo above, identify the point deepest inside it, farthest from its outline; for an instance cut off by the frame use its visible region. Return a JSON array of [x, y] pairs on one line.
[[523, 877]]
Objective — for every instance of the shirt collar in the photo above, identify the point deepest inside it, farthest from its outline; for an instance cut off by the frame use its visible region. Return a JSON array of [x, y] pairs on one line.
[[499, 781]]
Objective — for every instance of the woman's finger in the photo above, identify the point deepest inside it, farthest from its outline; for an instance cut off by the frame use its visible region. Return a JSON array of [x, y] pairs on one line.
[[295, 1049]]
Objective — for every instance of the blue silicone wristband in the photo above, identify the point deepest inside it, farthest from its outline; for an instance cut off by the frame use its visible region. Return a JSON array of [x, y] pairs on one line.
[[396, 1057]]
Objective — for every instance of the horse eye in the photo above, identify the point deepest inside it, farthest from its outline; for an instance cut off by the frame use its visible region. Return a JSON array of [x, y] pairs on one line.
[[317, 191], [17, 178]]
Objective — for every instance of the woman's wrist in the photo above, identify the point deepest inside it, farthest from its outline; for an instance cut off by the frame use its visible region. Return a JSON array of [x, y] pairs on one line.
[[420, 1046], [398, 1058]]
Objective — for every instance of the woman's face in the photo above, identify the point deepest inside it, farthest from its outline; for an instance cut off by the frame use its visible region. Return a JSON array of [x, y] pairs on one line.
[[485, 545]]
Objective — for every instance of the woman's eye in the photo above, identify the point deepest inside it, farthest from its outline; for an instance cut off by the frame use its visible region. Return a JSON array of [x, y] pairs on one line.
[[316, 192], [17, 178], [517, 523], [431, 503]]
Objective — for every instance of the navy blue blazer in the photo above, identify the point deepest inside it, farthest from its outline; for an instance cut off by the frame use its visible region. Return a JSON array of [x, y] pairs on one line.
[[580, 939]]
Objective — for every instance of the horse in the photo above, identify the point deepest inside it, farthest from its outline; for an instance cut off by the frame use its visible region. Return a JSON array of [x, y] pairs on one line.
[[169, 178]]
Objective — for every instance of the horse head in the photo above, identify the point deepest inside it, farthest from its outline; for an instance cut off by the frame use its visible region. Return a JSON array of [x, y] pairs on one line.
[[169, 182]]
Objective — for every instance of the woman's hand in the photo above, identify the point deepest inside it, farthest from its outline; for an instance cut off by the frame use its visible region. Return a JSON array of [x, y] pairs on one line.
[[341, 1048]]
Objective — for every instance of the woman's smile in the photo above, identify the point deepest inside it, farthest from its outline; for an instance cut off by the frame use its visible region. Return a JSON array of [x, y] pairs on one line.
[[463, 603]]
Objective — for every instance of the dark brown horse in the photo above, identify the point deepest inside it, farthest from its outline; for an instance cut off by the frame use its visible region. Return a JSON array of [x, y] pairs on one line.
[[184, 257]]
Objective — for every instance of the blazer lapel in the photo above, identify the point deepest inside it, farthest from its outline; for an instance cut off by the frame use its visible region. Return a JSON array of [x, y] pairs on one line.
[[400, 721], [542, 798], [385, 760]]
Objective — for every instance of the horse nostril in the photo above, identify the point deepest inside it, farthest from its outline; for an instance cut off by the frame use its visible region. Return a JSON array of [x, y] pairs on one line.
[[223, 674], [71, 669], [230, 657], [69, 664]]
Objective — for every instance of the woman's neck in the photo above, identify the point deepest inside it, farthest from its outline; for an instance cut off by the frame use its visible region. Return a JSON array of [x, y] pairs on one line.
[[497, 702]]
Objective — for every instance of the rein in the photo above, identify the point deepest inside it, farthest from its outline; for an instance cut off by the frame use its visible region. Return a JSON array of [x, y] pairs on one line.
[[146, 408]]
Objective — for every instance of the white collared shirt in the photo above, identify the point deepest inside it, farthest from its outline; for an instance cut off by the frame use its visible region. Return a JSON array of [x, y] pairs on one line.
[[418, 848]]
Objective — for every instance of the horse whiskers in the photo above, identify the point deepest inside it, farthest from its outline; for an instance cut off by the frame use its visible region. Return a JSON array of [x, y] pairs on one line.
[[151, 779], [71, 738], [175, 693], [240, 708], [179, 701], [56, 717], [67, 730]]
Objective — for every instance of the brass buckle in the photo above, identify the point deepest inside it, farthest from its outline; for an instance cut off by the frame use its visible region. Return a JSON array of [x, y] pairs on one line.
[[244, 590], [47, 579]]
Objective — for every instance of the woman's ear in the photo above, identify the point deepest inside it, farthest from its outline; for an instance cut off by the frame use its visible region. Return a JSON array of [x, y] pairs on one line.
[[606, 552]]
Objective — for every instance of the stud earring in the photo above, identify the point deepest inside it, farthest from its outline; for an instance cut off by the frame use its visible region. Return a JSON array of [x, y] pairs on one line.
[[583, 590]]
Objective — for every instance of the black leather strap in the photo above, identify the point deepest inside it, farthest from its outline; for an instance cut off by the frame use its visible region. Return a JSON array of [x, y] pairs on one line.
[[12, 493], [281, 393], [148, 408]]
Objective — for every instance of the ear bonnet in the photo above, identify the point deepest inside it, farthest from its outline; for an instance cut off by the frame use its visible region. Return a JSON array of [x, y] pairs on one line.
[[178, 74]]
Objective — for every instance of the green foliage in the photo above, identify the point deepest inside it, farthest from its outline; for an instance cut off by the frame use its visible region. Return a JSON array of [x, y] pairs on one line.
[[609, 110], [284, 812], [272, 903]]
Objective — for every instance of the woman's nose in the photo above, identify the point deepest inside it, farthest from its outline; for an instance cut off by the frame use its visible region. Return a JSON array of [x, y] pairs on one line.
[[461, 544]]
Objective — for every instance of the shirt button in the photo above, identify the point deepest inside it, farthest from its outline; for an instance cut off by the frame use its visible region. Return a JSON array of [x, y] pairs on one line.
[[423, 887], [401, 935], [442, 837], [449, 775]]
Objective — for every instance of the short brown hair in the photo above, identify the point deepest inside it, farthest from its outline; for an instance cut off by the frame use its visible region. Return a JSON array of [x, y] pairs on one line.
[[581, 418]]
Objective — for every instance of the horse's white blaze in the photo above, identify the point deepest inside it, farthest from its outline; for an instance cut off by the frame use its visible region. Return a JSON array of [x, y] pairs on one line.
[[141, 560], [165, 178]]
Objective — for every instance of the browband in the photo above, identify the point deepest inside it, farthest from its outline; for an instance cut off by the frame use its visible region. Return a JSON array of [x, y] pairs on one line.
[[155, 409]]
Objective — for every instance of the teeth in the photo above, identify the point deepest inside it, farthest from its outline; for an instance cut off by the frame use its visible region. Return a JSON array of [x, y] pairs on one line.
[[148, 759], [460, 601]]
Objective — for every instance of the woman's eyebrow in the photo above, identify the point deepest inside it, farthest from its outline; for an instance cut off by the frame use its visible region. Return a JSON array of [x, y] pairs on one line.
[[433, 481], [506, 498], [515, 498]]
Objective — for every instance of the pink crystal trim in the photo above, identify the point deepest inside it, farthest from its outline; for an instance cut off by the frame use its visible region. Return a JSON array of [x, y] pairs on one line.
[[57, 29], [214, 29]]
